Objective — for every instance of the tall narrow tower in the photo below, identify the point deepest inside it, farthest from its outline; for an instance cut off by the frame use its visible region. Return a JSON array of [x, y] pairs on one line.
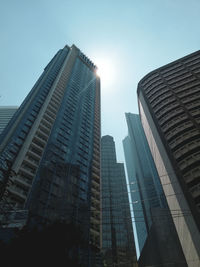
[[50, 153], [145, 186], [155, 235], [169, 102], [117, 233]]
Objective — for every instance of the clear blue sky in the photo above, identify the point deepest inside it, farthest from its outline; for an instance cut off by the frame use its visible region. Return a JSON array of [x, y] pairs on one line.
[[136, 35]]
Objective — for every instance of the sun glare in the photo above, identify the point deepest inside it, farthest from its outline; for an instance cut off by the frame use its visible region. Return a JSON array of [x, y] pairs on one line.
[[105, 71]]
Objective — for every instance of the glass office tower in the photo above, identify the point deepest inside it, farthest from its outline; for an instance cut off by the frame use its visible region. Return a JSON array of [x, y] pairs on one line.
[[6, 113], [145, 186], [50, 152], [155, 236], [169, 104], [117, 234]]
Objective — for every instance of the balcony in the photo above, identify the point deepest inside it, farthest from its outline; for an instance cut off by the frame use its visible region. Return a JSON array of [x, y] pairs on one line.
[[39, 141], [27, 172], [20, 193], [38, 150], [46, 123], [42, 135], [26, 183], [48, 118]]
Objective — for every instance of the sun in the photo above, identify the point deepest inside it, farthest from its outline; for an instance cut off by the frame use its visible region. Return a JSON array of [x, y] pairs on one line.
[[105, 71]]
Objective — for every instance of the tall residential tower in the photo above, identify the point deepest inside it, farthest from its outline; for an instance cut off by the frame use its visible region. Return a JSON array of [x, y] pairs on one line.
[[50, 153]]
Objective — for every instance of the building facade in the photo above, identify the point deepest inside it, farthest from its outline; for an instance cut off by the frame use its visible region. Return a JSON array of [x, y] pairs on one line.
[[6, 113], [145, 187], [151, 217], [50, 152], [117, 234], [169, 104]]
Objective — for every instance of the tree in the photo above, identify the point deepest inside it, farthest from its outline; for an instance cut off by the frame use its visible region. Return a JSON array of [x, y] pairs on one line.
[[55, 245]]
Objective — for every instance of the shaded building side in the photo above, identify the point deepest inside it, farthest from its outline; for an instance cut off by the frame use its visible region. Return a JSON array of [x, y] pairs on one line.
[[169, 101]]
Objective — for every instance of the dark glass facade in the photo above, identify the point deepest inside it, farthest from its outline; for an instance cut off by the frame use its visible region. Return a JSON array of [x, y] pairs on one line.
[[152, 220], [117, 234], [145, 187], [53, 147]]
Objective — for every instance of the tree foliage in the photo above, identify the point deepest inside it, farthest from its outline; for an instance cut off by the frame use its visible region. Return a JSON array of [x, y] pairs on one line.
[[55, 245]]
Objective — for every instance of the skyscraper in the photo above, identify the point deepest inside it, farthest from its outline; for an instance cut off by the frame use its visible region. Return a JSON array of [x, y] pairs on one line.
[[52, 147], [152, 220], [6, 113], [117, 234], [169, 102], [145, 186]]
